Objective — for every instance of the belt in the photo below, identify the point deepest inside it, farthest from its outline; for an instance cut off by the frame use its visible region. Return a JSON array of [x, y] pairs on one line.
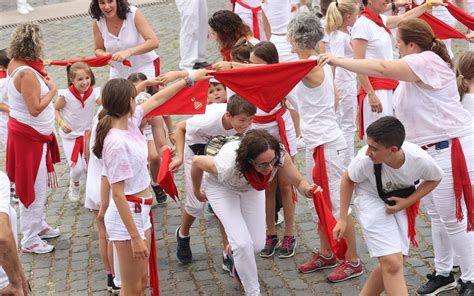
[[139, 201], [438, 146]]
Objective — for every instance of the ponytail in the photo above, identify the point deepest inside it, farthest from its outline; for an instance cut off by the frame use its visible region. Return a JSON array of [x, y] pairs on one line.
[[103, 127], [333, 20], [465, 72], [440, 49]]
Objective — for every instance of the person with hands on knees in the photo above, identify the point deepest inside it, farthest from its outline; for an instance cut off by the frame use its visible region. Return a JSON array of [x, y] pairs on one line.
[[386, 228], [123, 149], [122, 30], [234, 184]]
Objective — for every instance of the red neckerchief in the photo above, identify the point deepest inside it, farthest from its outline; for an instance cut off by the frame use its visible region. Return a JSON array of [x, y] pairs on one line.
[[37, 65], [78, 96], [258, 181], [3, 74], [225, 53], [375, 18]]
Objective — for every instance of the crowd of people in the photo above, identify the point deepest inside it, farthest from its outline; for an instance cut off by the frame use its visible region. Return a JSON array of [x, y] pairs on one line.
[[413, 113]]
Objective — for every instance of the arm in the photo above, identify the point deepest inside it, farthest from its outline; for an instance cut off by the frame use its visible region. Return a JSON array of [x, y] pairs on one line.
[[104, 198], [58, 106], [315, 77], [266, 26], [403, 203], [139, 247], [27, 83], [346, 189], [98, 41], [201, 164], [179, 138], [290, 174], [169, 126], [158, 131], [393, 21], [223, 65], [4, 108]]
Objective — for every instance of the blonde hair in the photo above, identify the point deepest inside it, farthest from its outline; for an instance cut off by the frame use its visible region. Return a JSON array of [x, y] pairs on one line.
[[465, 71], [26, 42], [71, 72], [336, 12]]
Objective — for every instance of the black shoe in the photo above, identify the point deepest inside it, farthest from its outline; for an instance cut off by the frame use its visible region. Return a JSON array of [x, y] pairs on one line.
[[227, 263], [110, 282], [467, 289], [201, 65], [183, 250], [160, 194], [437, 284]]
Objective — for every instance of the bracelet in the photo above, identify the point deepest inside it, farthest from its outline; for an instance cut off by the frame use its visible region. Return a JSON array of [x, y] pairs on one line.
[[429, 4], [191, 79]]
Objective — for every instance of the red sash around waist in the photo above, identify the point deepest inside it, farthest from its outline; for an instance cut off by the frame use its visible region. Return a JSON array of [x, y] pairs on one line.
[[255, 10], [278, 117]]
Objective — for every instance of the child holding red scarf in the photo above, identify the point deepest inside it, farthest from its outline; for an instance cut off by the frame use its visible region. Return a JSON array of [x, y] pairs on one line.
[[74, 110]]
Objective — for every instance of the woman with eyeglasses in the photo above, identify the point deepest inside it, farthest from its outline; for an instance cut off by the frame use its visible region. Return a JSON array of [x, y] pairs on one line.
[[235, 180]]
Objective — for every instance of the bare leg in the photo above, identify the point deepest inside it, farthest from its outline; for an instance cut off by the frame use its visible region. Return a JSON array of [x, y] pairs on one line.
[[389, 275], [186, 223], [154, 160], [270, 193], [103, 244]]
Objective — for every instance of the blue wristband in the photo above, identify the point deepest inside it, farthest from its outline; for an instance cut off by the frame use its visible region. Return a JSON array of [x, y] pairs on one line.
[[191, 78]]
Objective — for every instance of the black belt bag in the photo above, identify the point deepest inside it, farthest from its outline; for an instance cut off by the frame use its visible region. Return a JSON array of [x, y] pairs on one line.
[[198, 149], [403, 192]]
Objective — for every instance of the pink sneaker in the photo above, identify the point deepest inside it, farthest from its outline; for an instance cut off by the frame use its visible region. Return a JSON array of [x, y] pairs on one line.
[[345, 271], [49, 232], [317, 262], [38, 248]]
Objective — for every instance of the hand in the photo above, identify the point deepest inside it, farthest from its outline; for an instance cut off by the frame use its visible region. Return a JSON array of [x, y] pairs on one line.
[[50, 83], [327, 58], [400, 204], [339, 229], [221, 66], [139, 248], [120, 56], [170, 76], [175, 164], [309, 191], [65, 127], [438, 3], [201, 74], [470, 37], [20, 288], [201, 196], [375, 104]]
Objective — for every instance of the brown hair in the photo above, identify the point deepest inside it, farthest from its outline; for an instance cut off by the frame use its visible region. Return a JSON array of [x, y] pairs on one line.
[[237, 105], [266, 51], [123, 7], [465, 71], [116, 100], [71, 72], [388, 131], [336, 12], [419, 32], [241, 50], [26, 42], [228, 27], [139, 77], [254, 143]]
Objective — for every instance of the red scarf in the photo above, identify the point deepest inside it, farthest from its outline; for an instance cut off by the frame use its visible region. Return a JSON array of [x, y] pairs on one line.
[[377, 83], [258, 87], [189, 100], [462, 184], [255, 24], [156, 64], [23, 157], [412, 212], [92, 62], [328, 222], [152, 264], [440, 28], [225, 53], [320, 174], [78, 96], [375, 18], [77, 150], [258, 181], [461, 16], [37, 65], [277, 116], [3, 73], [166, 177]]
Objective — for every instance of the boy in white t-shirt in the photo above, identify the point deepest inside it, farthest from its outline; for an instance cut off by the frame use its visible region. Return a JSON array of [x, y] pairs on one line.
[[386, 227], [191, 137]]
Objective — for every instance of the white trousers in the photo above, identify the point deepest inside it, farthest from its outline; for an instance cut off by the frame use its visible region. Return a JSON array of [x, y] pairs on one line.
[[77, 170], [193, 34], [385, 97], [32, 219], [347, 113], [247, 17], [243, 216], [192, 205], [450, 237], [20, 3]]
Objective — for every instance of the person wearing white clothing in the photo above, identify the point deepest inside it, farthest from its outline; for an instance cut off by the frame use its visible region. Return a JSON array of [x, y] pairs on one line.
[[193, 33], [250, 11], [23, 7]]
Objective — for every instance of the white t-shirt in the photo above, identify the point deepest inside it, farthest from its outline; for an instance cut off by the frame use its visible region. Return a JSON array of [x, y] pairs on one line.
[[326, 37], [125, 156], [468, 103], [316, 109], [340, 44], [431, 115], [78, 117], [418, 165], [379, 44], [227, 174], [201, 128], [7, 209], [278, 15], [3, 115]]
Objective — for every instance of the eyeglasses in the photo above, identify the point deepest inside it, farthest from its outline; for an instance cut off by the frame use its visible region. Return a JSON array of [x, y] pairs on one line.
[[263, 165]]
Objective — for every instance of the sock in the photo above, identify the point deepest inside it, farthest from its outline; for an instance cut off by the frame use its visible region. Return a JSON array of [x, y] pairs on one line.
[[443, 274], [182, 236]]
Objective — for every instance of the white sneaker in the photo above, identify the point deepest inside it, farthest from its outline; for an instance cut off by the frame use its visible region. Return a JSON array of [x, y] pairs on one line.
[[23, 10], [29, 7], [49, 232], [38, 248], [74, 192]]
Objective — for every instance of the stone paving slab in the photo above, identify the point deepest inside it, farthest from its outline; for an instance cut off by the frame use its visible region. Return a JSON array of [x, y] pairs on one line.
[[75, 268]]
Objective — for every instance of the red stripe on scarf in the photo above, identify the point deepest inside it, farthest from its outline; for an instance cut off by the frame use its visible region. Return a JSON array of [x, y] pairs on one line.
[[37, 65], [78, 96], [377, 84], [320, 174], [92, 62], [255, 24], [23, 157], [258, 181], [462, 184], [77, 150], [152, 263], [165, 176], [375, 18]]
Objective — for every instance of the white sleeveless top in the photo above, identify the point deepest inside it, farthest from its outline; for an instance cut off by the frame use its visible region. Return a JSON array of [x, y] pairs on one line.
[[278, 15], [44, 122], [127, 37], [78, 117], [316, 109]]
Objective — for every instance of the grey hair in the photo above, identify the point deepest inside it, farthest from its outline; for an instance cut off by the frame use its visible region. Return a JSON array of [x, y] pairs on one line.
[[305, 30], [26, 42]]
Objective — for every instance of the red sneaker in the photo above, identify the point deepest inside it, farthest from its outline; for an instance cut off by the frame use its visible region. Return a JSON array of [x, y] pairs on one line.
[[317, 262], [345, 271]]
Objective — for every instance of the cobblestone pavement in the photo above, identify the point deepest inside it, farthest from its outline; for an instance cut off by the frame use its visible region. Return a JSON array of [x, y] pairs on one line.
[[75, 268]]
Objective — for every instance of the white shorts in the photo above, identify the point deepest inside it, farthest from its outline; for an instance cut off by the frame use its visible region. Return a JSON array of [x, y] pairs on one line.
[[115, 227], [94, 169], [384, 234]]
